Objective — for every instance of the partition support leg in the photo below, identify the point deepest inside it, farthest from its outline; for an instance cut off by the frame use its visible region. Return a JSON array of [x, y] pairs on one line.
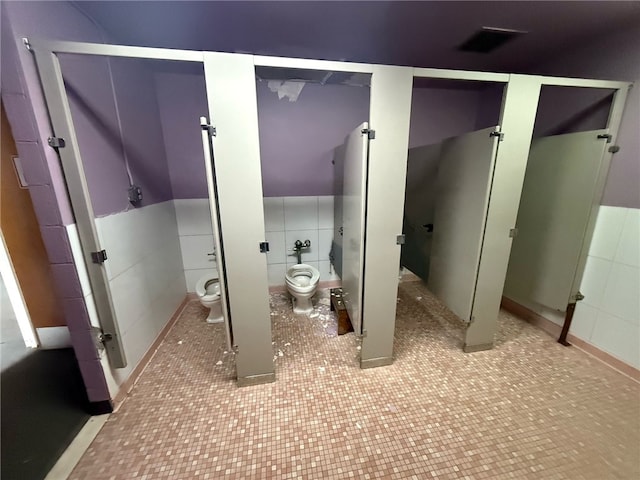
[[571, 308]]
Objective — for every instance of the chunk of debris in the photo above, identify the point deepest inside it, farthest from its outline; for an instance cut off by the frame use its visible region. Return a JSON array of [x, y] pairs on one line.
[[358, 347], [179, 342], [287, 344], [314, 314], [392, 408], [219, 362], [418, 298], [358, 425], [321, 369], [280, 354]]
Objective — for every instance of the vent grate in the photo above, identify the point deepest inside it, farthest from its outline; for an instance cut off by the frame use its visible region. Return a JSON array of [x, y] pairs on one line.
[[488, 39]]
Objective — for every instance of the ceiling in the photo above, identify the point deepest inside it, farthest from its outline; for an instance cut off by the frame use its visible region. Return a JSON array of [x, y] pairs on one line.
[[400, 33]]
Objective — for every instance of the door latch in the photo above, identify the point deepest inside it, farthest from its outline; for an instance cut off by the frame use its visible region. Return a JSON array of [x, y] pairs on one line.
[[264, 247], [99, 257]]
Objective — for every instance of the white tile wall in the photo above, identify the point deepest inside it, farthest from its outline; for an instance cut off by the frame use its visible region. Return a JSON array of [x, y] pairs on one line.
[[196, 239], [145, 274], [286, 219], [609, 316]]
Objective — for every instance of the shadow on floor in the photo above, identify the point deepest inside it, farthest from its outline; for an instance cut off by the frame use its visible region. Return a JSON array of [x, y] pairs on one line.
[[43, 406]]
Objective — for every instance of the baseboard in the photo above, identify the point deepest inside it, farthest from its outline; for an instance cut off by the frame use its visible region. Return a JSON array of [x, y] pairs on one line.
[[477, 348], [100, 408], [554, 330], [376, 362], [52, 338], [128, 384], [256, 380]]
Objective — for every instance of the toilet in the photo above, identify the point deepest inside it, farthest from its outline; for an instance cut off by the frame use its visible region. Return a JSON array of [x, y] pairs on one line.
[[302, 282], [208, 290]]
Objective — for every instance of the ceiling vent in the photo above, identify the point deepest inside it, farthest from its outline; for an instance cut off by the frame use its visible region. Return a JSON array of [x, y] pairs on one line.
[[488, 39]]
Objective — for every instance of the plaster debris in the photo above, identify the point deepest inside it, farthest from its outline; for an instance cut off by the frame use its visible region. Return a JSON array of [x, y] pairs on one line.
[[358, 425], [287, 344], [219, 362], [314, 314], [392, 408], [225, 352], [418, 298], [321, 369], [273, 314], [288, 89], [358, 347], [179, 342], [280, 354]]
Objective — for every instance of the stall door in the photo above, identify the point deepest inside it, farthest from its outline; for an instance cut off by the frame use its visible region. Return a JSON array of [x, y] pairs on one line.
[[215, 222], [356, 154], [462, 197], [555, 206]]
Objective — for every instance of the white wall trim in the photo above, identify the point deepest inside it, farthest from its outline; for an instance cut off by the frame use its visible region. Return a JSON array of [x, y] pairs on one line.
[[18, 304]]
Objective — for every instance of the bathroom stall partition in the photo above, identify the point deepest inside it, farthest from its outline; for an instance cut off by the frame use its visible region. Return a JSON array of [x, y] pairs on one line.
[[557, 198], [233, 132], [355, 152], [99, 260], [447, 199]]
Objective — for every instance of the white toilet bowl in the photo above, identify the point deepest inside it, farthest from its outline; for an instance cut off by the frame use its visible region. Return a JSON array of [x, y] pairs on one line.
[[208, 290], [302, 282]]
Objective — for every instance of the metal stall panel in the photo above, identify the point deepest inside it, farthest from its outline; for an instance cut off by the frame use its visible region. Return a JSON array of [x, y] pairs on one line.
[[462, 195], [519, 108], [354, 222], [389, 117], [555, 206], [233, 111]]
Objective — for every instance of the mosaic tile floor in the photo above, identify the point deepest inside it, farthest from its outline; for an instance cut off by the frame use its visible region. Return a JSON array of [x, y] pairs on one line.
[[530, 408]]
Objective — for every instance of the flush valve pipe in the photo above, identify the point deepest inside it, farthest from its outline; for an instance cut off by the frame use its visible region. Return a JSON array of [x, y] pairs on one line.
[[299, 246]]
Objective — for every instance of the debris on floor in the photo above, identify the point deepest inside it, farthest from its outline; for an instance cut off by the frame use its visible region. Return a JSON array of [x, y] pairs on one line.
[[321, 369], [287, 344], [280, 354], [179, 342], [358, 425], [219, 362], [392, 408], [418, 298]]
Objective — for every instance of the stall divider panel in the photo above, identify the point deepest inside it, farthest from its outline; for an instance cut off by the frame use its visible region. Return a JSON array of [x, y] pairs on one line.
[[233, 111], [462, 194], [559, 185], [214, 210], [355, 153], [520, 104], [389, 117]]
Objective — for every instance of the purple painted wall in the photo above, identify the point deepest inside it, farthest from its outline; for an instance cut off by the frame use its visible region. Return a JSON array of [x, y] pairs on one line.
[[106, 140], [182, 100], [437, 114], [141, 129], [297, 138], [27, 113], [616, 57]]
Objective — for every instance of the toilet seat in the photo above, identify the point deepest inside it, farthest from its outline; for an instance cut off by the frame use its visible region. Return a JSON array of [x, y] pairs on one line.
[[302, 277], [208, 289]]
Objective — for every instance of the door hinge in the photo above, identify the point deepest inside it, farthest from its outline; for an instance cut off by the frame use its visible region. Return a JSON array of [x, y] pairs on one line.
[[264, 247], [605, 135], [56, 142], [207, 127], [99, 257], [371, 134], [500, 135], [400, 239], [100, 338], [513, 232]]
